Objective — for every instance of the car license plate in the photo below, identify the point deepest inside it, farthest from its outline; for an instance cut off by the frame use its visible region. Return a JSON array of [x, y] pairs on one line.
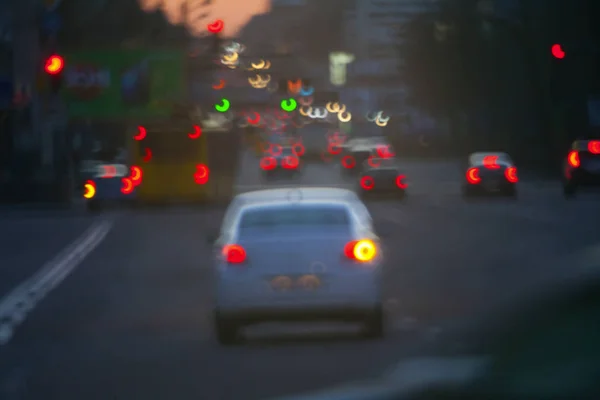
[[284, 283], [308, 282]]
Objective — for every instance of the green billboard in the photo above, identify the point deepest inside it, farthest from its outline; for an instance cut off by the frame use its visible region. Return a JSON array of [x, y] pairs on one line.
[[121, 84]]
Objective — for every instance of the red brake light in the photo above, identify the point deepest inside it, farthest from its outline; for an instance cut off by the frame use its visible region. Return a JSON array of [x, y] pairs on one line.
[[400, 181], [268, 163], [511, 174], [290, 162], [594, 146], [334, 149], [473, 176], [201, 175], [127, 185], [234, 254], [276, 149], [361, 250], [141, 134], [573, 159], [491, 162], [367, 183], [136, 175], [298, 149], [348, 162], [373, 163]]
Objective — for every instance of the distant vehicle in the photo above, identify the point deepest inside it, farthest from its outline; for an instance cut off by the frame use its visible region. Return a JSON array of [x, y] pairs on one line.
[[382, 177], [357, 151], [490, 173], [582, 167], [313, 137], [110, 183], [311, 254], [281, 162]]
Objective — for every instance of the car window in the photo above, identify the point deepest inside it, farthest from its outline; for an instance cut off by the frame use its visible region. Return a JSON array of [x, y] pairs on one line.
[[272, 217]]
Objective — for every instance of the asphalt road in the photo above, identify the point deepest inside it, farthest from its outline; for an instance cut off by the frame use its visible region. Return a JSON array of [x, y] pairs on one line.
[[133, 319]]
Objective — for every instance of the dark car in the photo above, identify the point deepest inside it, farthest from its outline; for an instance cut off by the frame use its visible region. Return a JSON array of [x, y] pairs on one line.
[[357, 151], [490, 173], [582, 167], [282, 164], [381, 178]]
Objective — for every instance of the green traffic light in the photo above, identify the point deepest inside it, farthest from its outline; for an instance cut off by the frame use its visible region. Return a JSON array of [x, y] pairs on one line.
[[224, 106], [288, 105]]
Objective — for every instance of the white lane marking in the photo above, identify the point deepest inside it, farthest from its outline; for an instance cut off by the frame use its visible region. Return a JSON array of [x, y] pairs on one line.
[[15, 306]]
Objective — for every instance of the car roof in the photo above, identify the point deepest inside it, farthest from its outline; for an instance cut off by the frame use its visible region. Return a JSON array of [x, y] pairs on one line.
[[306, 193], [477, 158], [276, 203]]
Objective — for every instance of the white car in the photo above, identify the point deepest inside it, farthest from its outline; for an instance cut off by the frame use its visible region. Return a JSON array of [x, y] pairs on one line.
[[311, 254]]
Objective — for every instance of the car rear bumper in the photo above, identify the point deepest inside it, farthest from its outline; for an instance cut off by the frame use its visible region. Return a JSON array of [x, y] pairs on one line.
[[324, 303], [257, 315], [486, 187], [582, 177]]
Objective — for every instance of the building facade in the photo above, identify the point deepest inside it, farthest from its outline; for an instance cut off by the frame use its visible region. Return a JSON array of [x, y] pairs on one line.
[[370, 31]]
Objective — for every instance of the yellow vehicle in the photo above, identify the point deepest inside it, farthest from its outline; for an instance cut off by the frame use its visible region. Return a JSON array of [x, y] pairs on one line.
[[183, 162]]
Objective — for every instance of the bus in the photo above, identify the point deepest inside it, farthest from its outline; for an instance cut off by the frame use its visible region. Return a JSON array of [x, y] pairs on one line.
[[183, 162]]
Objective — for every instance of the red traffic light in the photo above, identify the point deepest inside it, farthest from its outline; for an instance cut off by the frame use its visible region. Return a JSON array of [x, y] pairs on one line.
[[557, 51], [54, 64]]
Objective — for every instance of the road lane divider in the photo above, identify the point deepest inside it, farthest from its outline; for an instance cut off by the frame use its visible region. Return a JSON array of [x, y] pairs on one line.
[[18, 303]]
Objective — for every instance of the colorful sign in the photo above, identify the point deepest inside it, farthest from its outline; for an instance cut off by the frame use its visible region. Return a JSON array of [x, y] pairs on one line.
[[123, 83], [338, 65]]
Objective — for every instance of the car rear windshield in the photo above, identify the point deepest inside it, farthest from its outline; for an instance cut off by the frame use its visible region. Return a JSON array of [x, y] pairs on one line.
[[321, 216]]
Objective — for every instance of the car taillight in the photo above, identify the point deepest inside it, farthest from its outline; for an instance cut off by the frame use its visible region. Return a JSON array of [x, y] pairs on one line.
[[400, 182], [491, 162], [298, 149], [234, 254], [201, 174], [573, 159], [334, 148], [594, 146], [290, 162], [268, 163], [127, 185], [89, 189], [136, 175], [348, 162], [364, 250], [511, 174], [367, 183], [276, 149], [373, 161], [473, 176]]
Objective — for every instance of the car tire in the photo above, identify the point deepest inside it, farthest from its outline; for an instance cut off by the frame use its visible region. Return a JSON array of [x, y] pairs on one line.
[[226, 330], [374, 327]]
